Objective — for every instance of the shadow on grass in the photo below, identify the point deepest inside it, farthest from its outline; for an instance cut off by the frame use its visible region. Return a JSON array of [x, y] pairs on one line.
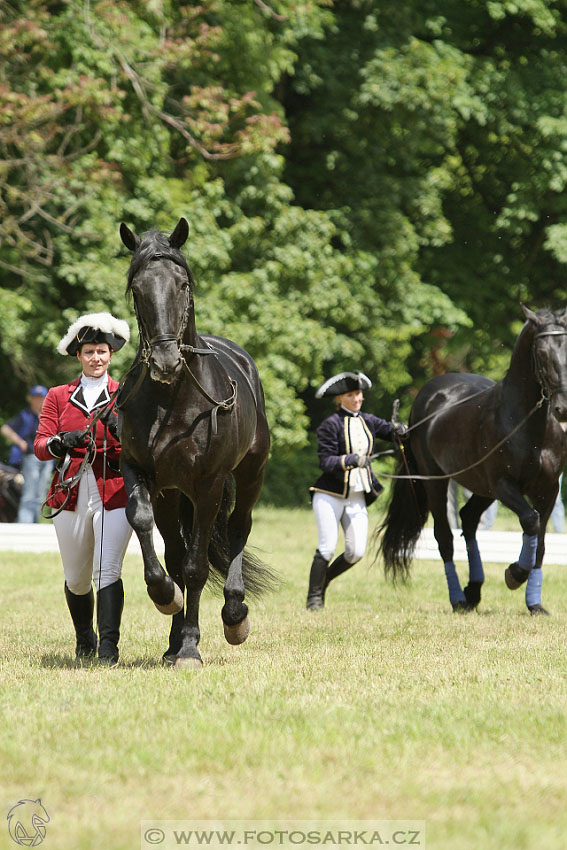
[[57, 661]]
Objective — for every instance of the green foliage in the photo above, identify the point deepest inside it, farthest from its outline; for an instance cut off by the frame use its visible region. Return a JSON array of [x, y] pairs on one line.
[[369, 185]]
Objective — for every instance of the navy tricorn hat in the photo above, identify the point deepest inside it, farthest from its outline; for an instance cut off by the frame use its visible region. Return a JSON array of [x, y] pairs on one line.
[[95, 327], [344, 382]]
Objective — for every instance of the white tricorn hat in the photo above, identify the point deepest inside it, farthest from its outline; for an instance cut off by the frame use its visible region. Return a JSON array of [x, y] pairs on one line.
[[95, 327], [344, 382]]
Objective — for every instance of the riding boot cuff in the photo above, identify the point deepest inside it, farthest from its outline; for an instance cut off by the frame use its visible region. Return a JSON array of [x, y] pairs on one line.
[[317, 582], [81, 609], [339, 565], [110, 603]]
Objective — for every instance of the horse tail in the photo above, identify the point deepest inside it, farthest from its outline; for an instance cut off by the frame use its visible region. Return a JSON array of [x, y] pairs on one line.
[[407, 514], [258, 577]]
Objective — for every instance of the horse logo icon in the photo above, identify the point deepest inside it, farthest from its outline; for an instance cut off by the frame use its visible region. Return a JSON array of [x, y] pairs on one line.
[[26, 823]]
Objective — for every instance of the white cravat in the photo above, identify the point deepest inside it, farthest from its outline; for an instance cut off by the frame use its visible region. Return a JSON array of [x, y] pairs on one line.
[[92, 388]]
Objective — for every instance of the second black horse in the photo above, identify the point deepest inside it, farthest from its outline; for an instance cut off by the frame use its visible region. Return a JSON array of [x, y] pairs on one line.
[[501, 440]]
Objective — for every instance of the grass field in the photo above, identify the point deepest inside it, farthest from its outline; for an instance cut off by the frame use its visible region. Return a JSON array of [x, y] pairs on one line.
[[385, 705]]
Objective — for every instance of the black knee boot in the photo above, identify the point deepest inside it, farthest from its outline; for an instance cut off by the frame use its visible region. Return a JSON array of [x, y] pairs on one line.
[[339, 565], [81, 609], [317, 582], [109, 605]]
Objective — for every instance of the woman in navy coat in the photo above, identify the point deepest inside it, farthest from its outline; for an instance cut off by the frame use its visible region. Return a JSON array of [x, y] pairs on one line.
[[347, 485]]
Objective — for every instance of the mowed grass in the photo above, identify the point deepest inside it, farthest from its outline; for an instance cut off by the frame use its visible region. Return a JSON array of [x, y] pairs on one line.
[[386, 705]]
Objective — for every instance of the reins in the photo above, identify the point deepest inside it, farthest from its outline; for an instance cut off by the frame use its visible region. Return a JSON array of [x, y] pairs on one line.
[[67, 484], [227, 404], [491, 451]]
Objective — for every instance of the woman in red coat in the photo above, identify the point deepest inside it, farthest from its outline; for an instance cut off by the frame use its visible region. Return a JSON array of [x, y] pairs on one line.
[[92, 529]]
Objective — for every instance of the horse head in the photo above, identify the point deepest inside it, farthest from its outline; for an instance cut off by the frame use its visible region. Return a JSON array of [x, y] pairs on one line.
[[549, 348], [160, 282]]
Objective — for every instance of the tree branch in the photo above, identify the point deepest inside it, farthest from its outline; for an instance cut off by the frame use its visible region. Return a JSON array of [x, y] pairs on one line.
[[270, 12]]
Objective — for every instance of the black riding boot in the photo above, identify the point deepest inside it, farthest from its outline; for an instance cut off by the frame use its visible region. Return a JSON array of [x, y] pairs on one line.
[[109, 605], [339, 565], [81, 609], [317, 582]]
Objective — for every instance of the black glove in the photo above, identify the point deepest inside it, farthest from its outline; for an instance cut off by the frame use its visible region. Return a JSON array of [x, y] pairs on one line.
[[400, 430], [352, 461], [73, 439], [110, 419], [65, 440]]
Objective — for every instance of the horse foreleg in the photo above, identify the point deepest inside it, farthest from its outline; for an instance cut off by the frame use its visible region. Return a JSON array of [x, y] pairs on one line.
[[162, 590], [535, 579], [196, 571], [511, 496], [168, 510]]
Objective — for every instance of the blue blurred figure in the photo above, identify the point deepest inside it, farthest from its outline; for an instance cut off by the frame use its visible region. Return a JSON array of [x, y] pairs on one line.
[[20, 432]]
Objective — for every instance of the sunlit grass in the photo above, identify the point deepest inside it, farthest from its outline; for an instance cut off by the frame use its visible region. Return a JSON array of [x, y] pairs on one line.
[[385, 705]]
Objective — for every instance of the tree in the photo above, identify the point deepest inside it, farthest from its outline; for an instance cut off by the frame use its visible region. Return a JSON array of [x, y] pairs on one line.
[[443, 155]]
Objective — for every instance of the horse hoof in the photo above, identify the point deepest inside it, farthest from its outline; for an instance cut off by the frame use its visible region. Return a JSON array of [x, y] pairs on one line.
[[472, 593], [237, 634], [176, 604], [515, 576], [538, 610], [187, 664]]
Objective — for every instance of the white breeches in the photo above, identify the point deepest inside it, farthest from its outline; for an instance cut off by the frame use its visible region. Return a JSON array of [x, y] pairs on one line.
[[352, 514], [79, 535]]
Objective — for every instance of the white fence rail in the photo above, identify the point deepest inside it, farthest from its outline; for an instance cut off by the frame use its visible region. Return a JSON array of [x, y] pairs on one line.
[[495, 546]]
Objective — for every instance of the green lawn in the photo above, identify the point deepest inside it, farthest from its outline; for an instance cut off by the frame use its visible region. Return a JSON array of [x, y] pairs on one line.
[[385, 705]]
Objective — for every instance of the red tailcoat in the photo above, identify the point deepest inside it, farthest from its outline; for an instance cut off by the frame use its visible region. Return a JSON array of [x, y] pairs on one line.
[[64, 410]]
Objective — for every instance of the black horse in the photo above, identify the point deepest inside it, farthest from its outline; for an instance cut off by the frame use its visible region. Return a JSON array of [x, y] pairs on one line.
[[192, 425], [502, 441]]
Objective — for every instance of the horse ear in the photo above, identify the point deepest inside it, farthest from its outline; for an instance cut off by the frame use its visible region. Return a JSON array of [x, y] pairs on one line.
[[129, 239], [529, 314], [180, 234]]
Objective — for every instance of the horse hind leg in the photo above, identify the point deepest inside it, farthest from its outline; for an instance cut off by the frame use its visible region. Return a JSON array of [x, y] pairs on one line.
[[248, 477], [470, 517], [437, 499], [236, 622]]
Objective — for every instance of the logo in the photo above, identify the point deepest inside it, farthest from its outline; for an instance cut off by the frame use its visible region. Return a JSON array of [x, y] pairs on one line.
[[26, 823]]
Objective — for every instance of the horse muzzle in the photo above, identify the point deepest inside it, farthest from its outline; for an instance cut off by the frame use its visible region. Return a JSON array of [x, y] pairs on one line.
[[559, 408], [165, 363]]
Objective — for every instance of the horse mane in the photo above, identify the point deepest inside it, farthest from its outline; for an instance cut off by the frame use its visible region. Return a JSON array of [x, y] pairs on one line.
[[151, 243]]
